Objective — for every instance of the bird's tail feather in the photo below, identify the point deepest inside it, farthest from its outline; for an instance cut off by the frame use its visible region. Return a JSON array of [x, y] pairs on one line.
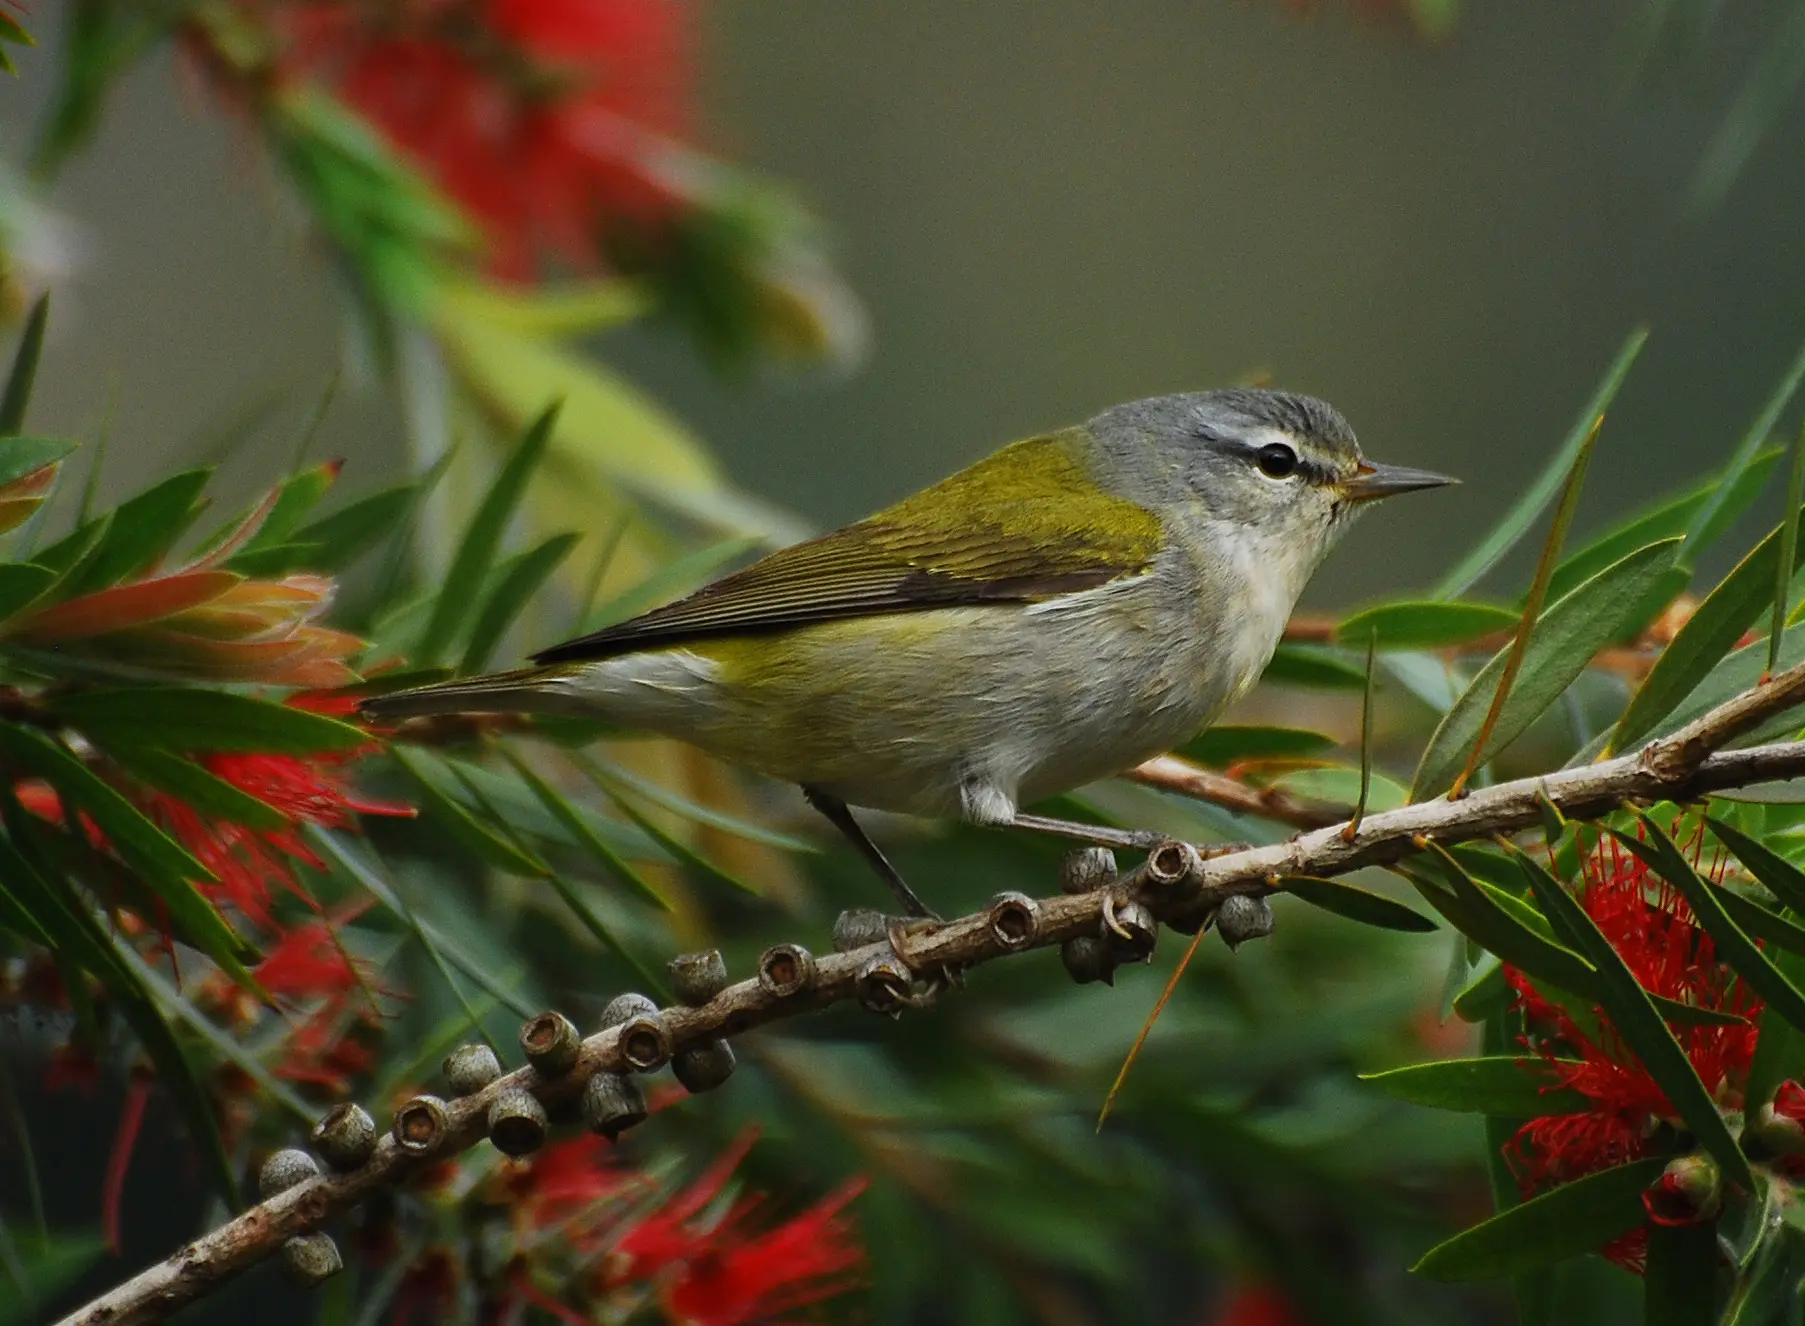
[[520, 691]]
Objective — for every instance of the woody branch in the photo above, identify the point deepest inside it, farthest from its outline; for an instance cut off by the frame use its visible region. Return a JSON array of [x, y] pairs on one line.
[[1175, 885]]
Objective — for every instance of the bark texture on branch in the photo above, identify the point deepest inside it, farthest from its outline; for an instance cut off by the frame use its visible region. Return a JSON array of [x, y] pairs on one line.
[[1656, 772]]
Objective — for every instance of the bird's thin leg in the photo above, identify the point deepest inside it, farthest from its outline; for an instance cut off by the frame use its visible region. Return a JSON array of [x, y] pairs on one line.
[[841, 818]]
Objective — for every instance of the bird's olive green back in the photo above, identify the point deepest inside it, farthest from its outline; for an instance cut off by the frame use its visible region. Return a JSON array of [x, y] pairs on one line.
[[1023, 525]]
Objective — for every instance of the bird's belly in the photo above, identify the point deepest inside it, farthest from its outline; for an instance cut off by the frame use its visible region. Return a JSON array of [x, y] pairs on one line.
[[899, 712]]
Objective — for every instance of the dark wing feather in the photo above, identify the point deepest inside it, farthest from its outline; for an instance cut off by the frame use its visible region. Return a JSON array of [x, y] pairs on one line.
[[1024, 525]]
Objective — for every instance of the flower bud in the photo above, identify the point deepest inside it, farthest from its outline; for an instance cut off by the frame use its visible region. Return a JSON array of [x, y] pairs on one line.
[[517, 1122], [612, 1103], [1173, 862], [785, 970], [1087, 870], [858, 926], [345, 1136], [1133, 935], [1085, 960], [1241, 918], [283, 1170], [884, 985], [420, 1125], [703, 1067], [1778, 1134], [551, 1043], [1014, 920], [470, 1068], [1689, 1191], [310, 1258], [698, 977]]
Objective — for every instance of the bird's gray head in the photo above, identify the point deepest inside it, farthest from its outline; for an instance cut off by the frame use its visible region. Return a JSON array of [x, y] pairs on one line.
[[1285, 469]]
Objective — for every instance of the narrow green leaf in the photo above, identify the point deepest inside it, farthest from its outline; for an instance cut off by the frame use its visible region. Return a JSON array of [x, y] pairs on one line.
[[1779, 1048], [66, 553], [17, 396], [1476, 912], [1355, 904], [185, 720], [1566, 638], [694, 811], [1662, 855], [142, 530], [1762, 923], [1313, 668], [1428, 624], [612, 862], [1567, 1221], [482, 540], [1704, 641], [1220, 747], [299, 494], [354, 529], [671, 580], [679, 851], [464, 826], [1366, 743], [1777, 875], [197, 787], [1746, 450], [1680, 1285], [518, 580], [1640, 1026], [1789, 549], [1496, 1084], [1671, 518], [20, 585], [20, 456], [1519, 519], [1564, 511], [1483, 997]]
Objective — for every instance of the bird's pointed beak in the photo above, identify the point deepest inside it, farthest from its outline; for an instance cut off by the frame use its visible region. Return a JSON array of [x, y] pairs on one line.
[[1372, 482]]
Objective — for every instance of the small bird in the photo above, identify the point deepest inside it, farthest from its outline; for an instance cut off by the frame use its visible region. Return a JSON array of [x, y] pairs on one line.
[[1058, 612]]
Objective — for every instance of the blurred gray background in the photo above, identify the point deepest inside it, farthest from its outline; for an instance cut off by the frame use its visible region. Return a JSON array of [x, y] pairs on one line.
[[1050, 207]]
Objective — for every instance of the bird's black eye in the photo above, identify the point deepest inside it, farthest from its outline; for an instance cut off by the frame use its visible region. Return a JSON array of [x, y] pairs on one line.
[[1276, 460]]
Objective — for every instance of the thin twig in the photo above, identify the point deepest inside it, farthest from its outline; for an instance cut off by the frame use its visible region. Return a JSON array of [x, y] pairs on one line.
[[1171, 774], [1664, 770]]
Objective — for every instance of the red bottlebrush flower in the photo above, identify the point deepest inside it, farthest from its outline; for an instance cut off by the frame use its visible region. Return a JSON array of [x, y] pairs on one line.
[[1255, 1305], [550, 122], [1652, 928]]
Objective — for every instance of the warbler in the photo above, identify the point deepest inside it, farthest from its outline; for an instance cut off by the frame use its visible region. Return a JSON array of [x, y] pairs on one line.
[[1058, 612]]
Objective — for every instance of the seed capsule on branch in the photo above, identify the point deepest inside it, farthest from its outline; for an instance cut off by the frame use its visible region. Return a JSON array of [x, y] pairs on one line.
[[470, 1068], [785, 970], [310, 1258], [703, 1067], [1087, 870], [517, 1122], [884, 985], [1086, 960], [1129, 932], [551, 1043], [612, 1103], [624, 1008], [346, 1136], [283, 1170], [420, 1125], [858, 926], [698, 977], [1173, 862], [1241, 918], [1014, 920]]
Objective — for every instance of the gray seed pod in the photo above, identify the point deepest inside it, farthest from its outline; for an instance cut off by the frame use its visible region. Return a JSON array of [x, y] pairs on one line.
[[858, 926], [698, 977], [283, 1170], [310, 1258], [1173, 862], [1134, 936], [884, 984], [612, 1104], [624, 1008], [1087, 869], [470, 1068], [420, 1125], [345, 1136], [786, 969], [1014, 920], [551, 1043], [645, 1044], [703, 1067], [517, 1122], [1241, 918], [1086, 961]]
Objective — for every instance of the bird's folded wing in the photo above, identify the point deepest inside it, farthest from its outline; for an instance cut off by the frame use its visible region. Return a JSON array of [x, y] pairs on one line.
[[1025, 525]]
